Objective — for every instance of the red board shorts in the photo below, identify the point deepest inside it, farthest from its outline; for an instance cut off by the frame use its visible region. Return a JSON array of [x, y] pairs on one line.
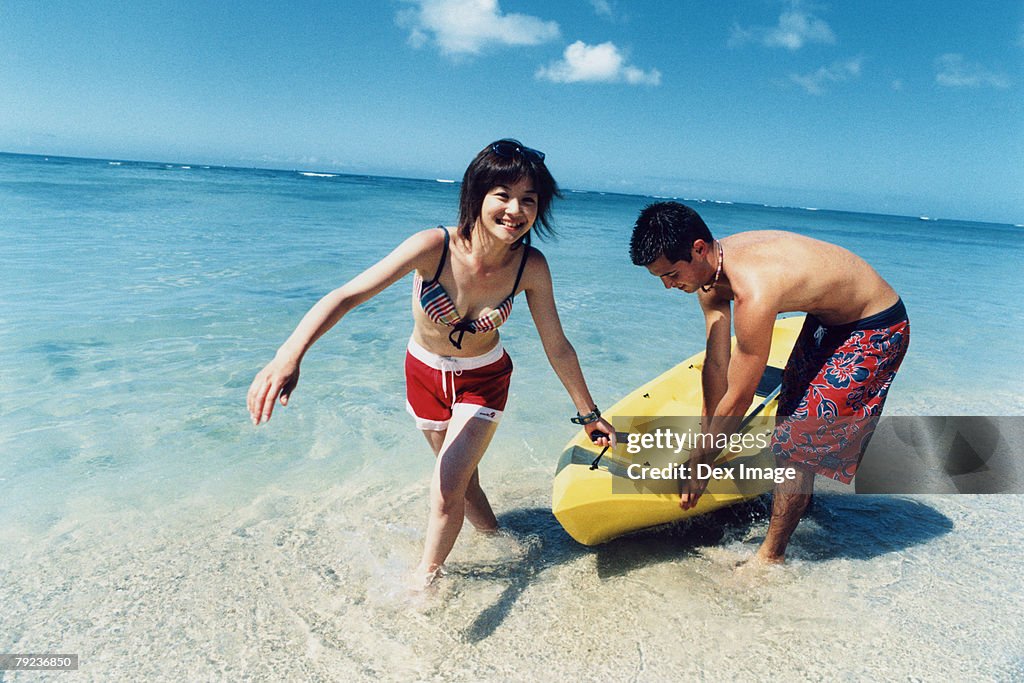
[[833, 389], [439, 386]]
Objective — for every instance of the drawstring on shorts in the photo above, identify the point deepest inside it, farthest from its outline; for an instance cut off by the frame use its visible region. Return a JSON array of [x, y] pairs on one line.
[[450, 369]]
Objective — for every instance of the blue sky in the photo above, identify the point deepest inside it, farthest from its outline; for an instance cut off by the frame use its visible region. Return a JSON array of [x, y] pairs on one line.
[[912, 107]]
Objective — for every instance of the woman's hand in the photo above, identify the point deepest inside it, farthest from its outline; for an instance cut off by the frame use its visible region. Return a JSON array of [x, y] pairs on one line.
[[277, 379], [606, 432]]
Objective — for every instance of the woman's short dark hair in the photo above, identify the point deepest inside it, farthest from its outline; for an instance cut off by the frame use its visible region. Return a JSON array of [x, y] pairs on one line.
[[490, 169], [669, 229]]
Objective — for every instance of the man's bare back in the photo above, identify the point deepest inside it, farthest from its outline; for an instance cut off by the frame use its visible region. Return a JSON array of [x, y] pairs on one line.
[[797, 273]]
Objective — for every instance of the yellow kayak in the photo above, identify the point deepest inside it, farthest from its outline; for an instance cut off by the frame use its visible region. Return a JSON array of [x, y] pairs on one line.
[[599, 497]]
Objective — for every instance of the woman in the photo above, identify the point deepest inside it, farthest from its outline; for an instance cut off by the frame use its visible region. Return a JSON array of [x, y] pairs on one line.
[[457, 373]]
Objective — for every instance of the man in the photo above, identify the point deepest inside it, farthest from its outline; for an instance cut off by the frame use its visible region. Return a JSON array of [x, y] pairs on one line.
[[838, 375]]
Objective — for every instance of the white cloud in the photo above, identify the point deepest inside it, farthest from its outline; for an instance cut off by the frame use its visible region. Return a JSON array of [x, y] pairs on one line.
[[603, 8], [954, 71], [596, 64], [469, 26], [796, 28], [814, 83]]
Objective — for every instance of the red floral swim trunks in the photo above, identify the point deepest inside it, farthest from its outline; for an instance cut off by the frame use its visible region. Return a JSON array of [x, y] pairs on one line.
[[833, 390]]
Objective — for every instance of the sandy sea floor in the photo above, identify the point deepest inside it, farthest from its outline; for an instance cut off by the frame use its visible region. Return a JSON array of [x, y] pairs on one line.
[[310, 588]]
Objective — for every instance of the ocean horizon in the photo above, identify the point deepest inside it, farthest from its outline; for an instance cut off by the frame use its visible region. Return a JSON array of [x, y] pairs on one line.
[[318, 172]]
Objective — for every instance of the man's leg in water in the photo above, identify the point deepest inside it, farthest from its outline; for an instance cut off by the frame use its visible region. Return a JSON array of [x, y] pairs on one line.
[[789, 502]]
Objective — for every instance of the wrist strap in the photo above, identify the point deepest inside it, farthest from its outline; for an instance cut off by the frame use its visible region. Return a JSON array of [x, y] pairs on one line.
[[593, 416]]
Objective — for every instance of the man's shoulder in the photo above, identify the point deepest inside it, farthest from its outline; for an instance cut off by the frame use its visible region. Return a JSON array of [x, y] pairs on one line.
[[765, 239]]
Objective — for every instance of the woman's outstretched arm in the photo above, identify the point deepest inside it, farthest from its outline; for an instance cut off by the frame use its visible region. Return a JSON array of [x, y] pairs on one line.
[[280, 376]]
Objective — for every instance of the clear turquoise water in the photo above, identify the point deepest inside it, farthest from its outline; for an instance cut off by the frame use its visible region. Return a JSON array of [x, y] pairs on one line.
[[144, 516]]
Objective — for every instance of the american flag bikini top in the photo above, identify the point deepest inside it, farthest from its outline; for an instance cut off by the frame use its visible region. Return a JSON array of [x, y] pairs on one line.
[[440, 308]]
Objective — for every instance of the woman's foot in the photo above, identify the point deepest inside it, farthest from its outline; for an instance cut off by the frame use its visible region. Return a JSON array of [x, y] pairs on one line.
[[421, 578]]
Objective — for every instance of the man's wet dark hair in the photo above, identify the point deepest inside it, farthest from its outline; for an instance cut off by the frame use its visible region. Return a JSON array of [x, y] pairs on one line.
[[490, 169], [669, 229]]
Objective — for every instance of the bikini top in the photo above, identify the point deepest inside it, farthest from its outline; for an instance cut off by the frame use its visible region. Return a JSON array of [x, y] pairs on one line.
[[440, 308]]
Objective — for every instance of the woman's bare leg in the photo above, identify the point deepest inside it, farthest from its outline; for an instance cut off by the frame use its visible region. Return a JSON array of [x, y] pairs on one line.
[[465, 442], [478, 508]]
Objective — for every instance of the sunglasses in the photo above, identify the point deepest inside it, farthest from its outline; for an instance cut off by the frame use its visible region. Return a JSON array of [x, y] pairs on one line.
[[509, 150]]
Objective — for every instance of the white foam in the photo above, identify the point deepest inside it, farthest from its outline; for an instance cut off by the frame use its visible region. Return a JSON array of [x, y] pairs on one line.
[[444, 180], [310, 174]]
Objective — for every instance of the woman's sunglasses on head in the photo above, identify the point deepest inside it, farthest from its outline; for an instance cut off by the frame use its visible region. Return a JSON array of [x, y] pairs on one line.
[[510, 149]]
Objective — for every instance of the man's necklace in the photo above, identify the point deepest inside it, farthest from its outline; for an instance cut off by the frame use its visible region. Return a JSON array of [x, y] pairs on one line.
[[718, 271]]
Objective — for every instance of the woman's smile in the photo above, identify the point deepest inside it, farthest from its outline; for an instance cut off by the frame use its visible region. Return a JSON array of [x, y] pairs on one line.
[[513, 225], [511, 208]]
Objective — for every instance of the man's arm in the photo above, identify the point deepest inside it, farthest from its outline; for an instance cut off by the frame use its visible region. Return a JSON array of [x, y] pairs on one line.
[[754, 321], [713, 376]]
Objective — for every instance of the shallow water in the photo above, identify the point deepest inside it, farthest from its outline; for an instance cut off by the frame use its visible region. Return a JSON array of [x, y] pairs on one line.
[[293, 586], [150, 529]]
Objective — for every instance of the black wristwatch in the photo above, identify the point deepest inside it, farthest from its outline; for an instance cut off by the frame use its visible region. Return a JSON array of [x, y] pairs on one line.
[[593, 416]]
